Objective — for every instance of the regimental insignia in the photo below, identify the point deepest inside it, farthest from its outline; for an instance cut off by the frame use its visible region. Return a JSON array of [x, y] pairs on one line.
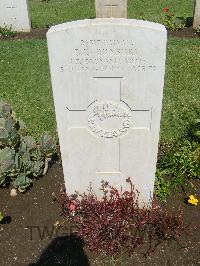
[[108, 119]]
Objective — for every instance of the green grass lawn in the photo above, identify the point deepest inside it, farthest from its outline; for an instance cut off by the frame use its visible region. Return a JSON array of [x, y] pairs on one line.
[[25, 83], [152, 9], [54, 12], [182, 88], [45, 13]]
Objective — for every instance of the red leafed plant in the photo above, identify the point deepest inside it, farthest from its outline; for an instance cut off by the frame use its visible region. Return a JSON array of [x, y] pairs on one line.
[[116, 223]]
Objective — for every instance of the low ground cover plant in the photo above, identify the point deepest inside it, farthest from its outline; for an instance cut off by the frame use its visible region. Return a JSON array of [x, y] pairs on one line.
[[180, 163], [21, 157], [1, 217], [7, 32], [115, 222], [197, 30], [171, 21]]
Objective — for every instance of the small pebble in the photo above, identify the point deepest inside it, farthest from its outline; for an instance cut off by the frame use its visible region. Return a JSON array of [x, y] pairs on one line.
[[13, 192]]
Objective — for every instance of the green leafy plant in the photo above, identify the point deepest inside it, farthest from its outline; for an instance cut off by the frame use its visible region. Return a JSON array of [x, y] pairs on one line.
[[162, 186], [195, 130], [172, 22], [21, 157], [1, 217], [177, 167], [179, 164], [7, 164], [7, 32], [185, 163], [197, 30]]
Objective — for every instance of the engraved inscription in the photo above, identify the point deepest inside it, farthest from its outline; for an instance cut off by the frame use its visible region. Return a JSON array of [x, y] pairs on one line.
[[109, 119], [106, 55]]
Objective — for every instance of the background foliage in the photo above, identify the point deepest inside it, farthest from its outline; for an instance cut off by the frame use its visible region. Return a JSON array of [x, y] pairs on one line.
[[45, 13]]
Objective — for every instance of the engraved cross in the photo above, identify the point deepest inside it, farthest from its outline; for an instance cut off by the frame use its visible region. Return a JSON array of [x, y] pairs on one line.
[[110, 144], [111, 6]]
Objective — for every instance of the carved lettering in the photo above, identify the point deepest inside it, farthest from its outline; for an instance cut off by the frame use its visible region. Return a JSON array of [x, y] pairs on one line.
[[106, 55]]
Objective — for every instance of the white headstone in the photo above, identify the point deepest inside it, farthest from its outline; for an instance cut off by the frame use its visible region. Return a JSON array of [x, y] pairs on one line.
[[196, 22], [107, 77], [111, 8], [14, 13]]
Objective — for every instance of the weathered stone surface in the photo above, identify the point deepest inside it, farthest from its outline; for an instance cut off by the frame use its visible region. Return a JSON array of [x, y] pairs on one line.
[[111, 8], [15, 13], [107, 77], [196, 22]]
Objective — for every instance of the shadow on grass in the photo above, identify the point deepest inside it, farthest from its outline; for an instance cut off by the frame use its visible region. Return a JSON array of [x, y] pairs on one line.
[[188, 21], [62, 251]]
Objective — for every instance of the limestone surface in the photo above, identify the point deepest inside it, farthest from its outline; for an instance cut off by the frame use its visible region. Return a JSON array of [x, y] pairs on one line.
[[107, 78]]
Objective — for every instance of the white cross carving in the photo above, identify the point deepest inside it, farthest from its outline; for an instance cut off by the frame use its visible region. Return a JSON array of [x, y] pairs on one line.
[[115, 86]]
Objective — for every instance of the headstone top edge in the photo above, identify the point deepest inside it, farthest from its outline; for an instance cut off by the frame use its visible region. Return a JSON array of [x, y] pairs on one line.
[[101, 21]]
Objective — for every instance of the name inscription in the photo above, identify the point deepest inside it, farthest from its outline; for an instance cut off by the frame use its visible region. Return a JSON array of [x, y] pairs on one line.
[[106, 55], [109, 119]]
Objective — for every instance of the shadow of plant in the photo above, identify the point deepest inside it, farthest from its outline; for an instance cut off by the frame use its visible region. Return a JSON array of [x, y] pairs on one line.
[[6, 220], [64, 251], [189, 21]]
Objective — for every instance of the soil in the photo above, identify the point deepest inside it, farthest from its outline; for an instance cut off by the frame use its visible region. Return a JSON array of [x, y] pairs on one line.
[[30, 236], [184, 33], [41, 34]]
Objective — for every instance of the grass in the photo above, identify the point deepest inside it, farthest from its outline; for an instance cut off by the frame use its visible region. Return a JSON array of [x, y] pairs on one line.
[[152, 9], [46, 13], [54, 12], [25, 83], [181, 94]]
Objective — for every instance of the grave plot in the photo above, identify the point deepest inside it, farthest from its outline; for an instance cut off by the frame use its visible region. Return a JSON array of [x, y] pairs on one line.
[[108, 86], [15, 14], [196, 22], [111, 8]]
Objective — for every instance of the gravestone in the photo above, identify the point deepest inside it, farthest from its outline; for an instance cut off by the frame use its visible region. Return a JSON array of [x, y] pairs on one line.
[[196, 22], [107, 77], [111, 8], [14, 13]]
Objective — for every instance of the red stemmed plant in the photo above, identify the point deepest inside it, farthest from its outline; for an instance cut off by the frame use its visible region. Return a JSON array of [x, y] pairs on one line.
[[116, 222]]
